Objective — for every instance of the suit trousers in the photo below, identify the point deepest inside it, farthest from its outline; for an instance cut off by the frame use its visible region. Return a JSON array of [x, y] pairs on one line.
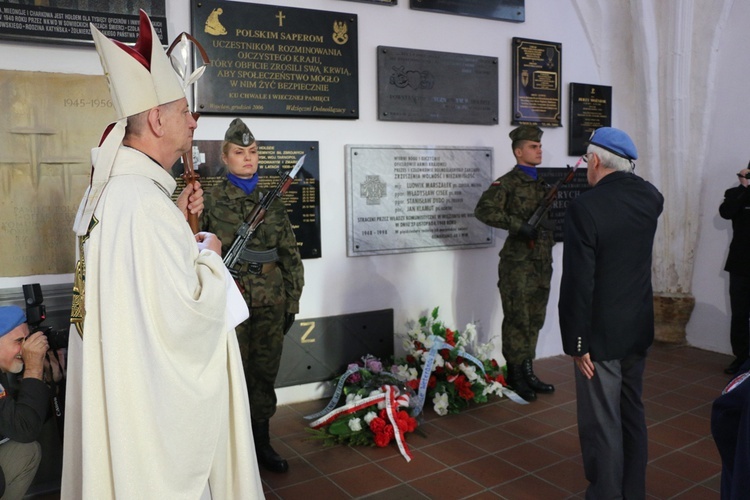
[[739, 301], [19, 462], [612, 428]]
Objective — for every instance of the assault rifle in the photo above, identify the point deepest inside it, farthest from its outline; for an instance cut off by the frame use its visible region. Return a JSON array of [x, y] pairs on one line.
[[255, 219], [549, 199]]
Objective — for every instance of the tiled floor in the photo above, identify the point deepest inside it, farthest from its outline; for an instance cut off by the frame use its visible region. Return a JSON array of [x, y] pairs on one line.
[[506, 450]]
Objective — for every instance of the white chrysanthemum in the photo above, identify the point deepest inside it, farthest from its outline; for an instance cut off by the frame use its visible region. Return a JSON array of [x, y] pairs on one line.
[[369, 417], [439, 362], [440, 402], [494, 387], [470, 371], [353, 397], [355, 424], [402, 372], [407, 344]]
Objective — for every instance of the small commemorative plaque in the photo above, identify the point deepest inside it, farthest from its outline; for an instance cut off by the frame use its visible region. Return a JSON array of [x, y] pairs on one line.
[[442, 87], [590, 108], [501, 10], [403, 199], [537, 68]]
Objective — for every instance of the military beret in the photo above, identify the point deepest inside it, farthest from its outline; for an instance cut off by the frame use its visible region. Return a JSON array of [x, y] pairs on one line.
[[239, 134], [615, 141], [526, 133], [10, 318]]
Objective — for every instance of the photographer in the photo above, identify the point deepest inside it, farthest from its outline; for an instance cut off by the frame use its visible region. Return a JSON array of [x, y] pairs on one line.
[[22, 412]]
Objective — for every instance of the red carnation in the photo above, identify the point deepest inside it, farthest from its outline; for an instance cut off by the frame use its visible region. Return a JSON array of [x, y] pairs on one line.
[[432, 382], [450, 337], [377, 424]]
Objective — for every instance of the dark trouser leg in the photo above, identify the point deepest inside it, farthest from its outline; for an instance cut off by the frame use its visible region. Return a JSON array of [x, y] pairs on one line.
[[739, 300], [634, 432], [599, 431], [261, 340]]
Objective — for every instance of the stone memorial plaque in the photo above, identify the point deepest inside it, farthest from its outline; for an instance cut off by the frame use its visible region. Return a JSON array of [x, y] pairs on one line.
[[567, 193], [502, 10], [537, 69], [303, 197], [590, 108], [67, 21], [276, 60], [441, 87], [50, 123], [404, 199]]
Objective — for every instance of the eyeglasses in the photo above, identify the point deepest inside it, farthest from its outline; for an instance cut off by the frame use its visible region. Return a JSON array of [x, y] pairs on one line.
[[585, 158]]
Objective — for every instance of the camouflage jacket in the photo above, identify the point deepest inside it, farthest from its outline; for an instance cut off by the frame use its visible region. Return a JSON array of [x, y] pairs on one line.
[[225, 208], [509, 202]]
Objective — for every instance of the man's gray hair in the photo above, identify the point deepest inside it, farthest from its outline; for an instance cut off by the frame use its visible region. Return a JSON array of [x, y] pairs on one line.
[[611, 160]]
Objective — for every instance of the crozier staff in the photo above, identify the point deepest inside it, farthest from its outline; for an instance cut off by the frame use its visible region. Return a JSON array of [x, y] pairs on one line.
[[271, 278]]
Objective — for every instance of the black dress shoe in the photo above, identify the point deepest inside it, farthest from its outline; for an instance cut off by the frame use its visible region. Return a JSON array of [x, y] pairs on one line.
[[734, 367]]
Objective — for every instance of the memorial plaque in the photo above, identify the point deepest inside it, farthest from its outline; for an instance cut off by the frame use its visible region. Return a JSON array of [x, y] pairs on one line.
[[404, 199], [567, 193], [303, 197], [50, 123], [67, 21], [441, 87], [537, 68], [502, 10], [275, 60], [378, 2], [590, 108]]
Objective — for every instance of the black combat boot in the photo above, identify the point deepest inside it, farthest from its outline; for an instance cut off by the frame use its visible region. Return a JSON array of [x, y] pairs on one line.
[[517, 382], [267, 456], [533, 380]]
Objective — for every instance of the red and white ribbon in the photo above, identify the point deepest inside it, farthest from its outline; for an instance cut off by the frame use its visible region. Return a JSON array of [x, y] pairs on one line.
[[393, 400]]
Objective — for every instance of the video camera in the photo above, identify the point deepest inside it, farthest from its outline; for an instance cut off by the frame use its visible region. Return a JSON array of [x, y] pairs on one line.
[[36, 313]]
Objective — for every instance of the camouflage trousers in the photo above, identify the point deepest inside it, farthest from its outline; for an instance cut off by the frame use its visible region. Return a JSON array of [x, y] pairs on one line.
[[261, 340], [524, 291]]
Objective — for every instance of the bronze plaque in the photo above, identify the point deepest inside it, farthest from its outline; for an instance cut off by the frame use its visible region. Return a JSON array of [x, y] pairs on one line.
[[567, 193], [537, 69], [590, 108], [50, 123], [441, 87], [502, 10], [303, 197], [275, 60]]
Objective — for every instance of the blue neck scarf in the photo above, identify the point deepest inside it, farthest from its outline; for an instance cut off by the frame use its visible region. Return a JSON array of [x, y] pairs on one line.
[[530, 171], [247, 185]]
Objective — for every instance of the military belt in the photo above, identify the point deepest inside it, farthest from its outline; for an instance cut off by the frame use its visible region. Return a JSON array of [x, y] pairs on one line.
[[260, 262]]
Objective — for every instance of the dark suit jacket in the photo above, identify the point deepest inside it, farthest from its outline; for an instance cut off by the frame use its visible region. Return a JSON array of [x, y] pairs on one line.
[[730, 428], [736, 207], [606, 301]]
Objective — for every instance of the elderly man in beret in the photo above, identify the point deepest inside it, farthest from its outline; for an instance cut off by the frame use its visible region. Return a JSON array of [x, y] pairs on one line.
[[606, 312], [23, 403], [525, 267]]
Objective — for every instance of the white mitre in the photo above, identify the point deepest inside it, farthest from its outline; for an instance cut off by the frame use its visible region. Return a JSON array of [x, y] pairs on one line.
[[140, 77]]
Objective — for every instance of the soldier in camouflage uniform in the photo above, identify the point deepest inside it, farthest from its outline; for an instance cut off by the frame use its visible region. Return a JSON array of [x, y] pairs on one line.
[[525, 268], [271, 284]]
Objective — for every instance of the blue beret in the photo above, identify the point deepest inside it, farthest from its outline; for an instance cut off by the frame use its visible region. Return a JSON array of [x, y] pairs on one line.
[[615, 141], [10, 317]]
